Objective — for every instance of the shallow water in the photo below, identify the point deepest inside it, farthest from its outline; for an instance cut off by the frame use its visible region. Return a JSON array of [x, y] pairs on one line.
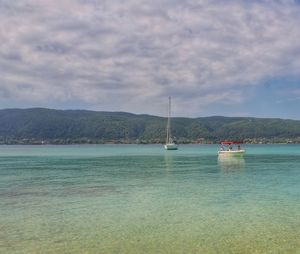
[[143, 199]]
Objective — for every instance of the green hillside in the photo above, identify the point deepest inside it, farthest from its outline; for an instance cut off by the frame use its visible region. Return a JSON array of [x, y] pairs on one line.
[[82, 126]]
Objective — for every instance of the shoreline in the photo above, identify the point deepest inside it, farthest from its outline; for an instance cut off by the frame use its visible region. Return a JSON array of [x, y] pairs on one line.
[[42, 143]]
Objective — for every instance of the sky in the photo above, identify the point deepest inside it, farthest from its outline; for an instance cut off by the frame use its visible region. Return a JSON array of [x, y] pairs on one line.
[[230, 58]]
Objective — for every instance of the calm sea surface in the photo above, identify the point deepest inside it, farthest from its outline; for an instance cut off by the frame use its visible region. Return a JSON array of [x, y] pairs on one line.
[[142, 199]]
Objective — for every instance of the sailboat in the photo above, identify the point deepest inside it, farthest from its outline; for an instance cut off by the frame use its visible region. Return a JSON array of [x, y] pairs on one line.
[[170, 145]]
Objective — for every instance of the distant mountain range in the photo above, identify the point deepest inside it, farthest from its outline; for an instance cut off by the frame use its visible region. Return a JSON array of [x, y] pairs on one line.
[[37, 125]]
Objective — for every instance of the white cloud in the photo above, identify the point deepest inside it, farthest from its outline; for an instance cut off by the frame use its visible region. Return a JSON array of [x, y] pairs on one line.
[[116, 55]]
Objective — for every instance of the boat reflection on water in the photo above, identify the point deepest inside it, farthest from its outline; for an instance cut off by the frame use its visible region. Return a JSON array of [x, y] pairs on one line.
[[231, 163], [169, 161]]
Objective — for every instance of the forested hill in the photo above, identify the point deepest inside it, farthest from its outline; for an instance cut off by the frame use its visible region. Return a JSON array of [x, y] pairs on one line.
[[73, 126]]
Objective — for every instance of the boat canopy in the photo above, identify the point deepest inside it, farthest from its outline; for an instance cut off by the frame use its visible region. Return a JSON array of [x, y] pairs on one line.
[[230, 143]]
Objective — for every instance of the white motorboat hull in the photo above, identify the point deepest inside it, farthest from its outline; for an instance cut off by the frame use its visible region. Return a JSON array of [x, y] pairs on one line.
[[232, 153]]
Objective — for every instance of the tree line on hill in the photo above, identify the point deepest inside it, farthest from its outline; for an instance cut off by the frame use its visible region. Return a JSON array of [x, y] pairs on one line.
[[40, 125]]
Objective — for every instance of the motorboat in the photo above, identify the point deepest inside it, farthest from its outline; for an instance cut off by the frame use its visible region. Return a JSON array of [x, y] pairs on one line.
[[231, 148]]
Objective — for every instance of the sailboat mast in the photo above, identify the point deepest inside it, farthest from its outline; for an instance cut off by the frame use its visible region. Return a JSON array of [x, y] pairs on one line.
[[170, 145], [169, 122]]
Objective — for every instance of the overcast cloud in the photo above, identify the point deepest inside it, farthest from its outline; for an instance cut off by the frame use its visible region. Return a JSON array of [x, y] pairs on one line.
[[130, 55]]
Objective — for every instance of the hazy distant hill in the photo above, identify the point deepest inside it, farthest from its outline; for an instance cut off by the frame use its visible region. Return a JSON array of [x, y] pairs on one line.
[[49, 124]]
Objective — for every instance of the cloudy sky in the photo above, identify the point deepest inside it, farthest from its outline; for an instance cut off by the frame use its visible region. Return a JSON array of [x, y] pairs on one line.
[[232, 58]]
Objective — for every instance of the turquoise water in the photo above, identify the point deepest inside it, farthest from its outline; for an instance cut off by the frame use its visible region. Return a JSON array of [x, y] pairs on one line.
[[143, 199]]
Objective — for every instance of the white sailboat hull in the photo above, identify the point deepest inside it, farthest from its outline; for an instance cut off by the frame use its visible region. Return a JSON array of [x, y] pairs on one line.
[[171, 146]]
